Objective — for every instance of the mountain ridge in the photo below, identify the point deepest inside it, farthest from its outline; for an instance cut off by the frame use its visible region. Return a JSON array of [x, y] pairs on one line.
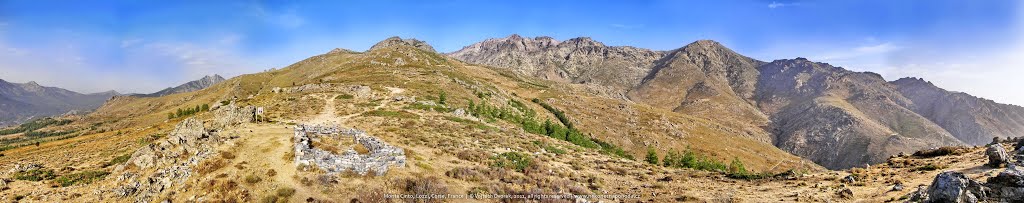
[[26, 101], [707, 79], [202, 83]]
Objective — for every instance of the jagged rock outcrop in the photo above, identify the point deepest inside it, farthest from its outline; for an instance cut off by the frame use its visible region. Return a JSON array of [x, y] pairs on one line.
[[971, 119], [1008, 184], [396, 41], [577, 60], [190, 86], [955, 187], [170, 160], [230, 114], [997, 156]]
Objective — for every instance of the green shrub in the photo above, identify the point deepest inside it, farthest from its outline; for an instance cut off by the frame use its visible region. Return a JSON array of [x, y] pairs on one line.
[[34, 175], [512, 160], [442, 98], [344, 96], [394, 114], [285, 192], [427, 107], [34, 125], [85, 177], [929, 167], [941, 151], [549, 148], [652, 156], [252, 179], [118, 160]]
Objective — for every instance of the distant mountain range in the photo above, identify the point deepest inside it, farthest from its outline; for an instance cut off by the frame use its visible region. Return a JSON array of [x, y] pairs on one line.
[[833, 116], [21, 102], [190, 86]]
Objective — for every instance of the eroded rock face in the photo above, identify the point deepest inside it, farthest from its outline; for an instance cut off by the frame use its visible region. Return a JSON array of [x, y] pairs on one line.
[[953, 186], [230, 114], [997, 155], [397, 41], [577, 60], [186, 145]]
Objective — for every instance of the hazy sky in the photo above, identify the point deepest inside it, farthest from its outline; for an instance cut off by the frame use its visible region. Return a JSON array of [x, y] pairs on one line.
[[962, 45]]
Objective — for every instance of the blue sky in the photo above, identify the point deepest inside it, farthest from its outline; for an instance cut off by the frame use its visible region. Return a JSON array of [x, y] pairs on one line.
[[144, 46]]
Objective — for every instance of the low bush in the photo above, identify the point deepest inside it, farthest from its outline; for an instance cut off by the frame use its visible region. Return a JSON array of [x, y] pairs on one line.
[[34, 175], [941, 151], [118, 160], [252, 179], [85, 177], [929, 167], [393, 114], [512, 160], [426, 186], [285, 192]]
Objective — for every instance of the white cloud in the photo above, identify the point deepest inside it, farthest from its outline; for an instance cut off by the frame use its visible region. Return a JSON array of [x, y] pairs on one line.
[[132, 65], [289, 18], [774, 5], [192, 60]]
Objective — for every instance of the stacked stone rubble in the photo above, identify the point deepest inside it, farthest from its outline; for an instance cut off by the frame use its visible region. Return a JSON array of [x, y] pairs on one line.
[[380, 158]]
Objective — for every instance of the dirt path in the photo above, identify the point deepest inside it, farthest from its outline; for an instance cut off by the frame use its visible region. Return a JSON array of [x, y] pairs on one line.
[[267, 147], [327, 116]]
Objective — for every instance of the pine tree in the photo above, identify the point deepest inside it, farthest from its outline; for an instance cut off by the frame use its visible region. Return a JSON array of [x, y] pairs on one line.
[[442, 98], [206, 107], [671, 159], [652, 156], [170, 115]]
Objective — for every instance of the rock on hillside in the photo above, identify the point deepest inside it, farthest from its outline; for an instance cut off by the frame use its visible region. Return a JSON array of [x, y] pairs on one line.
[[577, 60], [971, 119], [392, 41]]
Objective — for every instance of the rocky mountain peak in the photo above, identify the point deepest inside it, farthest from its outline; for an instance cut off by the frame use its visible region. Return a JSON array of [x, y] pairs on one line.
[[214, 77], [340, 50], [584, 42], [190, 86], [908, 81], [397, 41]]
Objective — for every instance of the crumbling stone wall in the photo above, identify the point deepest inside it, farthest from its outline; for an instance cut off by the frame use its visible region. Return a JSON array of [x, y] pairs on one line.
[[381, 155]]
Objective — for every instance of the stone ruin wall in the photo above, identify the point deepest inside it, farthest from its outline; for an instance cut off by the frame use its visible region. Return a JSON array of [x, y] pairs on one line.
[[381, 157]]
